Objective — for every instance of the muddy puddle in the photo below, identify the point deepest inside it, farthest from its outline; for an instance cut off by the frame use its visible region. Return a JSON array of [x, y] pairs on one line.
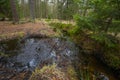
[[20, 57]]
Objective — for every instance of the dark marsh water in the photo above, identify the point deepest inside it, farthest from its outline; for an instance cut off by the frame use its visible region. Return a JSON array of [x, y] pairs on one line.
[[25, 55]]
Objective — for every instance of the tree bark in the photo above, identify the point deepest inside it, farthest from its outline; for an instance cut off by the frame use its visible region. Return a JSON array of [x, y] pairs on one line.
[[32, 9], [14, 11]]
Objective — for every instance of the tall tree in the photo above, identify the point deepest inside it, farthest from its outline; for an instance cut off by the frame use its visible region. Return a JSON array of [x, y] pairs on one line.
[[66, 9], [5, 9], [32, 9], [14, 11], [22, 9]]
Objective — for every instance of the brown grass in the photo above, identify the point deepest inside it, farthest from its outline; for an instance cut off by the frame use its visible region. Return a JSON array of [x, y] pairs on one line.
[[9, 30]]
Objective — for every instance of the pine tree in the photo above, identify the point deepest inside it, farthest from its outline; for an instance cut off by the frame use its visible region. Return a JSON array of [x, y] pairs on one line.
[[14, 11], [5, 9], [32, 9]]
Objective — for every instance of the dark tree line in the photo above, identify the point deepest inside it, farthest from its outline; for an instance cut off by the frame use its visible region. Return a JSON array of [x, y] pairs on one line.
[[101, 11], [31, 9]]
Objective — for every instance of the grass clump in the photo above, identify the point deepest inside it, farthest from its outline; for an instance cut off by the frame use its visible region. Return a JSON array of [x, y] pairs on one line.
[[72, 73], [48, 73]]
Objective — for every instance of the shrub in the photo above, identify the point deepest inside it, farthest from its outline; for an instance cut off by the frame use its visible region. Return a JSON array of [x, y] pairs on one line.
[[65, 29], [113, 60], [105, 39]]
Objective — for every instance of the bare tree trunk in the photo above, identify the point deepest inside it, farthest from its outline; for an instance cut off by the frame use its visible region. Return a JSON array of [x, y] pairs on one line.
[[23, 10], [32, 9], [14, 11], [46, 16], [40, 9]]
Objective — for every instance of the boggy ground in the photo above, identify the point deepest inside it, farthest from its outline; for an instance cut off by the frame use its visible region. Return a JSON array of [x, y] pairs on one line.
[[38, 52], [9, 30]]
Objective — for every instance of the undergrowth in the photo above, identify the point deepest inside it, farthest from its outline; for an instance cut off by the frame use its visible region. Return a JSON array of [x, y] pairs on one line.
[[52, 72], [97, 42]]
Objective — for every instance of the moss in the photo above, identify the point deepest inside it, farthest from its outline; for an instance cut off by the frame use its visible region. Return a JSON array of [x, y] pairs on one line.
[[112, 59], [62, 28], [3, 36], [111, 56], [12, 35], [47, 20], [72, 73], [3, 54], [104, 44], [21, 34]]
